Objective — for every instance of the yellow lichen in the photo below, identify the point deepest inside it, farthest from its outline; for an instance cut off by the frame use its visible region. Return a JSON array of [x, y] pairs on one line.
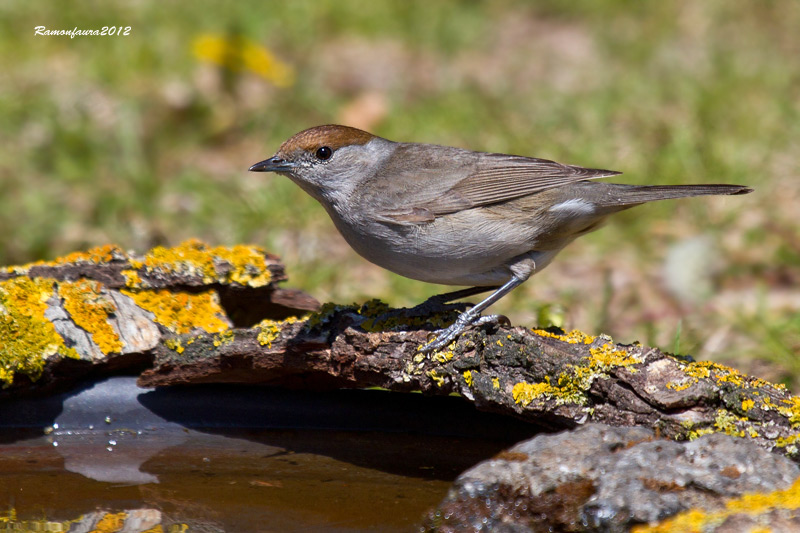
[[27, 338], [730, 424], [182, 312], [111, 522], [698, 370], [175, 345], [783, 442], [524, 393], [90, 308], [573, 337], [270, 329], [681, 385], [752, 504], [468, 377], [268, 332], [100, 254], [132, 279], [607, 357], [692, 432], [249, 265], [439, 380], [443, 356], [223, 337], [496, 383], [791, 410], [240, 264], [108, 523], [697, 433], [572, 384], [721, 374]]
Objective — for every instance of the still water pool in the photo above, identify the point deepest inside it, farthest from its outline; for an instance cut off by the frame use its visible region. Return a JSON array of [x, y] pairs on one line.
[[115, 457]]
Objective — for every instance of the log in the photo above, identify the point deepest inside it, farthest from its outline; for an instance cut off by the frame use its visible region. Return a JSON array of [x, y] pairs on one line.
[[553, 379], [108, 309]]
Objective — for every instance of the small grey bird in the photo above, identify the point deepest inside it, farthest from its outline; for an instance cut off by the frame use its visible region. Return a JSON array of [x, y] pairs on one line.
[[452, 216]]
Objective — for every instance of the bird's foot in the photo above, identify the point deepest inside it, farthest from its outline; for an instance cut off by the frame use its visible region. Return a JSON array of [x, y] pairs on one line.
[[443, 337]]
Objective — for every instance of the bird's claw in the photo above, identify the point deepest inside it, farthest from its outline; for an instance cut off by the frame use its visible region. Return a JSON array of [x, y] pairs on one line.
[[443, 337]]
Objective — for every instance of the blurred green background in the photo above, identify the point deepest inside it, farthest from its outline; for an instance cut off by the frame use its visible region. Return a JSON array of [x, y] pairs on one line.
[[145, 139]]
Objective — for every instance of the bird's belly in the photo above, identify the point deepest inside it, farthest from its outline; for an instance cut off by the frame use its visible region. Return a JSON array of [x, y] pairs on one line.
[[446, 251], [446, 270]]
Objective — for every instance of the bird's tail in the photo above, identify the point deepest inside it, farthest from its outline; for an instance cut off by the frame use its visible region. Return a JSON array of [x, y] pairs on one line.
[[630, 195]]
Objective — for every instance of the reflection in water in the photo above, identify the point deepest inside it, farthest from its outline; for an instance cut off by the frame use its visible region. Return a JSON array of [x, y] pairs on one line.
[[105, 434], [134, 521], [236, 459]]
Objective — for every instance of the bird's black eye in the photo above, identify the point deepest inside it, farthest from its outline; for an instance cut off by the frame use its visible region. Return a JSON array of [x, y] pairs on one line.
[[324, 153]]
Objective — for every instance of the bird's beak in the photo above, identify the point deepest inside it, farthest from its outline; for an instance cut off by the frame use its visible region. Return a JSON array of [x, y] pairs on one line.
[[273, 164]]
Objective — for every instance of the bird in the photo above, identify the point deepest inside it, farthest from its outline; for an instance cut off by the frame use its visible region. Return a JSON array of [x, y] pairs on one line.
[[453, 216]]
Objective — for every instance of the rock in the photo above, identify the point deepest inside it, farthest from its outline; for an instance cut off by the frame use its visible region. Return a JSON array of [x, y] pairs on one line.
[[602, 478]]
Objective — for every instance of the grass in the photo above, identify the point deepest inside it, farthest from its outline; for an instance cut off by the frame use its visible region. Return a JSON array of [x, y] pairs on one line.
[[137, 141]]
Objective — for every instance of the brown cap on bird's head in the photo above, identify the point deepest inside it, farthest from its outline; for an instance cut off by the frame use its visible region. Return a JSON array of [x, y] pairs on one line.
[[331, 135], [320, 140]]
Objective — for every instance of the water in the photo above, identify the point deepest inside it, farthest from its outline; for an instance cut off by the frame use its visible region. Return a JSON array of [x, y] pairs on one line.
[[114, 457]]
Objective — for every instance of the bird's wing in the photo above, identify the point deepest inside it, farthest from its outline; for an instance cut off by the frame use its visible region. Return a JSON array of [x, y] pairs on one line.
[[501, 178], [486, 179]]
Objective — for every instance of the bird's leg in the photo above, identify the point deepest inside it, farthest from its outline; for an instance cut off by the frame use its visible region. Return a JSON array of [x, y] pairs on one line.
[[472, 316]]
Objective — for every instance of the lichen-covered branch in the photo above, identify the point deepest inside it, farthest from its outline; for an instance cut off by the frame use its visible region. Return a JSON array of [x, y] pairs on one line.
[[111, 307], [550, 378]]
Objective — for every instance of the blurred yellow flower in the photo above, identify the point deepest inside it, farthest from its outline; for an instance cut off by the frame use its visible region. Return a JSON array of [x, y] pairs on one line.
[[238, 54]]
